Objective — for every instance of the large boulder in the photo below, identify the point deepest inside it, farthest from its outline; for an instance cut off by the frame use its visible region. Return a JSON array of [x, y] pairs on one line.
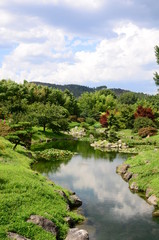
[[45, 223], [16, 236], [77, 234]]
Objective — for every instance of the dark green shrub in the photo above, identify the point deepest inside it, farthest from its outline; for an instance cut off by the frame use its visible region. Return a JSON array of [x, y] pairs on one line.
[[147, 131], [112, 136], [84, 125], [143, 122], [90, 121]]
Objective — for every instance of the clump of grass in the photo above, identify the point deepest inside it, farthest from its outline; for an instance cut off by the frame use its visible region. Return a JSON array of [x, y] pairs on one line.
[[53, 155]]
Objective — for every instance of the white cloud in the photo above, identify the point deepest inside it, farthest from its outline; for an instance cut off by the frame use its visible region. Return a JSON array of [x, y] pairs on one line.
[[44, 53]]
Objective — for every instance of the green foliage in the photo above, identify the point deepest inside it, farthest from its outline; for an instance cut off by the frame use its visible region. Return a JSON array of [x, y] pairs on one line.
[[148, 131], [90, 121], [92, 104], [156, 75], [21, 133], [128, 98], [142, 122], [112, 136]]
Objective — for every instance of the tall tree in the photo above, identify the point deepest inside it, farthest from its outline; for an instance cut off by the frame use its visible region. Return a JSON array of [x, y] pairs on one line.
[[156, 75]]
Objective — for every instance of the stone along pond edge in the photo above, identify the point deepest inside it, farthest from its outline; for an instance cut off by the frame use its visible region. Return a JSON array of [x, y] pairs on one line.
[[142, 174]]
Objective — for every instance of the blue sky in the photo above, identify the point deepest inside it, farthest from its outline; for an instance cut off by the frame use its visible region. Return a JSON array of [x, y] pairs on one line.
[[92, 43]]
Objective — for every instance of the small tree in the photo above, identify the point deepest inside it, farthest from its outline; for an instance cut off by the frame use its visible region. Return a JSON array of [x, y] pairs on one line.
[[21, 134], [156, 75], [104, 119], [143, 122]]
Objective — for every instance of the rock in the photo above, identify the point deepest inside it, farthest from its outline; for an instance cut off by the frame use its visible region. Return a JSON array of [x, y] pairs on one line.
[[148, 191], [152, 200], [16, 236], [134, 186], [70, 221], [121, 169], [29, 154], [155, 213], [109, 145], [75, 201], [45, 223], [147, 161], [77, 234], [127, 176]]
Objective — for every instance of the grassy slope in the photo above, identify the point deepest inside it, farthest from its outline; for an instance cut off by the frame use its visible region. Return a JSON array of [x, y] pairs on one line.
[[146, 163], [24, 192]]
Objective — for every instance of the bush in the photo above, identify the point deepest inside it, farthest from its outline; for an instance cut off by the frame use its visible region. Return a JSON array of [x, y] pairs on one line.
[[53, 155], [90, 121], [112, 136], [4, 129], [84, 125], [147, 131], [143, 122]]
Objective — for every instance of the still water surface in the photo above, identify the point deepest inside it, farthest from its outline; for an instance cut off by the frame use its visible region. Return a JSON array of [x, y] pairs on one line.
[[112, 211]]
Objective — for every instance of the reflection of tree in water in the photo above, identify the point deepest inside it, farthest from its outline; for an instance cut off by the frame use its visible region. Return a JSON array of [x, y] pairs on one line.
[[49, 166], [83, 148]]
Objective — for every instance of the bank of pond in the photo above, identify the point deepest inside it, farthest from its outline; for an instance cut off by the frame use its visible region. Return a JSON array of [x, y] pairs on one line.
[[33, 198]]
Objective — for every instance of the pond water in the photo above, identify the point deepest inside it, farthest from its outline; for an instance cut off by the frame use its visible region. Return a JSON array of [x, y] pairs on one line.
[[111, 210]]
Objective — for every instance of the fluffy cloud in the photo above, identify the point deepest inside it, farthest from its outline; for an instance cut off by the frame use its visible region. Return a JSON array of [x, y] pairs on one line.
[[127, 57], [57, 41]]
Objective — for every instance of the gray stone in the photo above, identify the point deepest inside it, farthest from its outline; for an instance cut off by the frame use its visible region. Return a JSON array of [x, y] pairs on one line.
[[148, 191], [152, 200], [16, 236], [46, 224], [70, 221], [77, 234], [75, 201], [134, 186], [121, 169], [127, 176], [155, 213]]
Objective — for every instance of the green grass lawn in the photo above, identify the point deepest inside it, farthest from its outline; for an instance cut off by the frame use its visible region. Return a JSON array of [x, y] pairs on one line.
[[24, 192]]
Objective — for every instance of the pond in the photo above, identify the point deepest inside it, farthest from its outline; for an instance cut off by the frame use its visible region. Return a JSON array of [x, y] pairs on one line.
[[112, 211]]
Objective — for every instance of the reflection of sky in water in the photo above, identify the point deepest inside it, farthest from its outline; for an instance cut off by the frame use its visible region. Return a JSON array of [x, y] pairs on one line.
[[111, 208]]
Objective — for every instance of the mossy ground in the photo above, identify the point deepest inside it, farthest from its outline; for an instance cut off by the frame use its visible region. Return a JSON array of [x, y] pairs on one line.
[[24, 192]]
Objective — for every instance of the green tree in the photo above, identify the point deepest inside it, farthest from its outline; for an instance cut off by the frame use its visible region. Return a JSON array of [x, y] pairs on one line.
[[21, 133], [47, 115], [156, 75]]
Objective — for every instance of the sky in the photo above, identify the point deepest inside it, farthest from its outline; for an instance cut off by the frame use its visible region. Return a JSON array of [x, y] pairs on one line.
[[85, 42]]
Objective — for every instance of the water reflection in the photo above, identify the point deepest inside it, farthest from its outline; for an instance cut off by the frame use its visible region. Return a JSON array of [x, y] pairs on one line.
[[113, 212]]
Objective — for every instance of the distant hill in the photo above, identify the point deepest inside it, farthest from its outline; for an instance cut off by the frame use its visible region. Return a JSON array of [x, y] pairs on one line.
[[77, 90]]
